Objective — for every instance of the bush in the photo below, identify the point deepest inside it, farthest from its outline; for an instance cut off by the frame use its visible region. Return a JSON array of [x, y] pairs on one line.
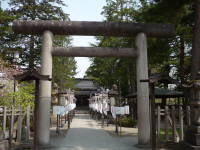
[[127, 121]]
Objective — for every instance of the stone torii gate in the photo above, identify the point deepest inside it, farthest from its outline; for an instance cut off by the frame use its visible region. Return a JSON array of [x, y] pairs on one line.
[[49, 28]]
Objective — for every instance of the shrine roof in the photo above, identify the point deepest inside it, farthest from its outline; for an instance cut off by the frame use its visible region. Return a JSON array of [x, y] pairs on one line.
[[162, 93]]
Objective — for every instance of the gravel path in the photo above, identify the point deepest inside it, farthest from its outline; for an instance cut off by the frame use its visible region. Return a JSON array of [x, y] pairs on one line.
[[86, 134]]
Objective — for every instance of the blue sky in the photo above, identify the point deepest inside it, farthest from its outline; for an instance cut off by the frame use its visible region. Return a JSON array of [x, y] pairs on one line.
[[82, 10]]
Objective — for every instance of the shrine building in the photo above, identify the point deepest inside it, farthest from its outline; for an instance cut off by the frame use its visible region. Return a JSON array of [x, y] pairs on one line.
[[84, 88]]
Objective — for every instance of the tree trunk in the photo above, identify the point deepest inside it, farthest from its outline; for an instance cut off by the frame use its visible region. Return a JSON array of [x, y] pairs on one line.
[[181, 57], [196, 43], [31, 53]]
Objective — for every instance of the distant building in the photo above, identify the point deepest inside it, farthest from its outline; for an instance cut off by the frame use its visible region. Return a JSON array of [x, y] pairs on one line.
[[84, 88]]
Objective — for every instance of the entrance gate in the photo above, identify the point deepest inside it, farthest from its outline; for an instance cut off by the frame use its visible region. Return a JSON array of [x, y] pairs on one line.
[[49, 28]]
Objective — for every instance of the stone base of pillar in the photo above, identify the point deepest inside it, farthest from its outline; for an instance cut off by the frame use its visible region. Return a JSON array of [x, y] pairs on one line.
[[45, 147], [192, 137], [143, 146], [187, 146]]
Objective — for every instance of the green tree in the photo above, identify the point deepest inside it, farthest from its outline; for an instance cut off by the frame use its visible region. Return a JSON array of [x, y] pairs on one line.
[[181, 14], [24, 96], [164, 55], [28, 46], [64, 68], [109, 71], [5, 19]]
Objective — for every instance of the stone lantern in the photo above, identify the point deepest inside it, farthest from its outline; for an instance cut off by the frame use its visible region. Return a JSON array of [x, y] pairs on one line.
[[113, 95], [54, 94], [192, 138], [195, 104], [114, 101], [62, 101]]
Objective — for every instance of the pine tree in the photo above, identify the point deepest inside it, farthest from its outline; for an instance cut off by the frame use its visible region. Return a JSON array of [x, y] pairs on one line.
[[5, 20], [28, 46]]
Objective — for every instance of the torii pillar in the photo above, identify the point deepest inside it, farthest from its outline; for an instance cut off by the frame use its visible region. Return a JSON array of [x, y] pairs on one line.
[[143, 111], [45, 90]]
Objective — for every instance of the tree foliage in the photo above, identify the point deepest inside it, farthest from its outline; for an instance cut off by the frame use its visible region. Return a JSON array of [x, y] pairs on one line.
[[170, 55], [64, 68], [109, 71], [24, 96], [28, 46], [24, 50], [5, 19]]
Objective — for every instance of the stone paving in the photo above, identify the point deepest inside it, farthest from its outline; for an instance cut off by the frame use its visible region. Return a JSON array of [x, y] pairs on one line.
[[87, 134]]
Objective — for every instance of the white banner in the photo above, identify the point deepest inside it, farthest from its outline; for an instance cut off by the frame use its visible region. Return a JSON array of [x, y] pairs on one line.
[[62, 110], [119, 110]]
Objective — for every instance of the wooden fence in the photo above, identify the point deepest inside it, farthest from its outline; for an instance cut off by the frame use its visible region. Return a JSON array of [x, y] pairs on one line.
[[15, 123], [171, 123]]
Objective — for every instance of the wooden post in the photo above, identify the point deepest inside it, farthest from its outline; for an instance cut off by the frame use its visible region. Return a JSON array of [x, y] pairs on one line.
[[173, 123], [4, 121], [153, 119], [60, 121], [188, 116], [107, 119], [68, 120], [28, 123], [57, 124], [65, 118], [11, 125], [116, 124], [166, 122], [19, 126], [35, 145], [102, 125], [72, 114], [181, 123], [158, 124]]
